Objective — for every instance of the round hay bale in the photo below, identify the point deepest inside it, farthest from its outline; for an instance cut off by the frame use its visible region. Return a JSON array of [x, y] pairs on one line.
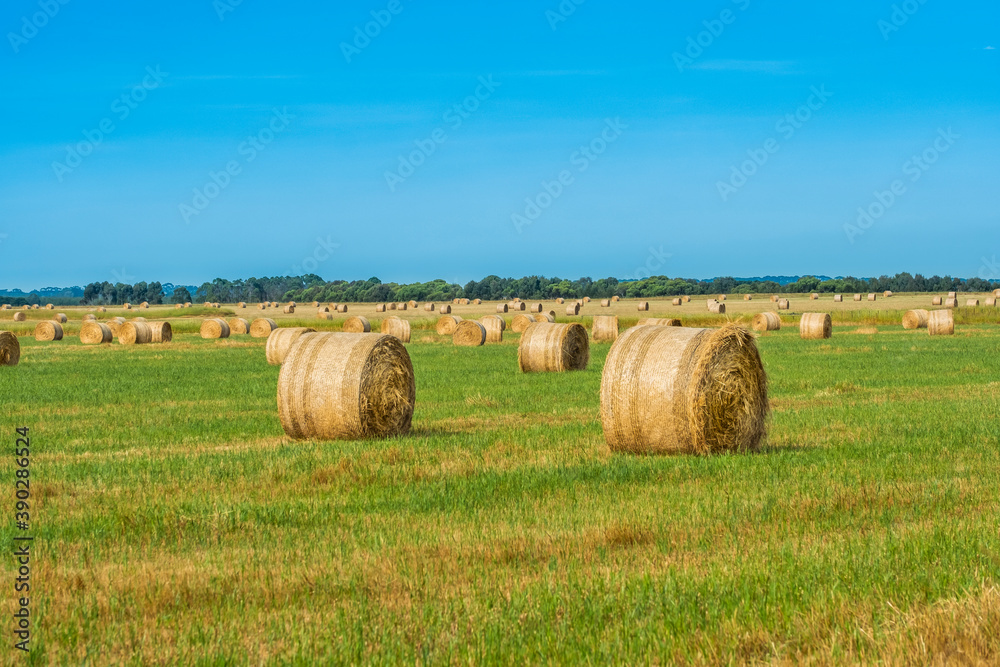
[[813, 296], [580, 302], [815, 326], [356, 324], [10, 349], [873, 297], [546, 317], [605, 303], [115, 324], [857, 297], [941, 323], [380, 308], [62, 319], [262, 327], [838, 298], [164, 333], [238, 325], [288, 310], [643, 306], [605, 328], [429, 307], [666, 390], [494, 326], [685, 299], [951, 303], [35, 307], [241, 304], [292, 304], [144, 305], [263, 306], [49, 306], [996, 293], [521, 322], [281, 341], [208, 304], [573, 309], [502, 308], [937, 301], [315, 304], [274, 304], [187, 304], [95, 333], [48, 331], [748, 297], [991, 301], [455, 301], [20, 317], [536, 308], [342, 308], [722, 297], [774, 298], [444, 309], [90, 317], [324, 316], [547, 347], [398, 327], [783, 304], [102, 309], [659, 322], [463, 302], [413, 304], [766, 322], [586, 299], [390, 306], [676, 302], [887, 293], [323, 309], [346, 386], [952, 295], [447, 324], [469, 333], [616, 298], [717, 308], [477, 302], [214, 328], [915, 319], [402, 306], [127, 306], [135, 333], [973, 303], [560, 300]]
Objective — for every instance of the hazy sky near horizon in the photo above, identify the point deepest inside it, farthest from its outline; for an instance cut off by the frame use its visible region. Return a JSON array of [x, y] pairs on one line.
[[191, 140]]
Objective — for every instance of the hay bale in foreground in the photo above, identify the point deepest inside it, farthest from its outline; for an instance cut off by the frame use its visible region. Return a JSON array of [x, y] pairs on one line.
[[972, 303], [766, 322], [48, 331], [521, 322], [573, 309], [62, 319], [357, 324], [214, 328], [659, 322], [281, 341], [915, 319], [20, 316], [549, 347], [717, 308], [447, 325], [398, 327], [346, 386], [937, 301], [784, 304], [815, 326], [644, 306], [262, 327], [605, 328], [469, 333], [95, 333], [10, 349], [135, 333], [941, 323], [666, 390], [494, 326], [501, 308], [163, 332], [445, 309], [838, 298], [238, 325]]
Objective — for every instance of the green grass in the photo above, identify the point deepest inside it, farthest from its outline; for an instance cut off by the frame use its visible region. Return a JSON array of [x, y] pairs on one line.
[[174, 522]]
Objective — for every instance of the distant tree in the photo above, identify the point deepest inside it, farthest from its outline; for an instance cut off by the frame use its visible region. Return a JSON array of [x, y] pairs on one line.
[[181, 295], [154, 293]]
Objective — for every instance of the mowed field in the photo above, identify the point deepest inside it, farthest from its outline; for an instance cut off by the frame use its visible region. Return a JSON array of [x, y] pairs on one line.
[[175, 522]]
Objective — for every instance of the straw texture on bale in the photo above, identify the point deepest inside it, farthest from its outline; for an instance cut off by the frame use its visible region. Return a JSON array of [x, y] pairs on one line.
[[380, 308], [20, 317], [573, 309], [605, 329], [969, 302], [429, 307], [815, 326], [676, 302], [346, 386], [718, 308], [135, 333], [281, 341], [90, 317], [445, 309], [214, 328], [95, 333], [398, 327], [783, 304], [941, 323], [666, 390], [48, 331], [915, 319], [996, 293], [163, 332], [288, 309], [412, 304], [547, 347], [455, 300], [494, 327], [643, 305], [838, 298], [659, 322], [342, 308], [546, 317], [605, 303], [402, 306], [766, 322], [502, 308], [115, 324], [463, 302], [447, 324], [10, 349], [937, 301], [469, 333], [262, 327], [144, 304], [238, 325], [357, 324], [521, 322], [873, 297], [536, 308], [857, 297], [62, 319], [517, 305], [951, 302]]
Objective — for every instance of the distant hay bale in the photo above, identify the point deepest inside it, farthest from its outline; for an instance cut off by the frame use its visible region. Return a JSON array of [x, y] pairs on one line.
[[717, 308], [668, 390], [605, 303], [477, 302], [162, 332], [517, 305], [659, 322], [502, 308], [95, 333], [242, 304], [536, 308], [937, 301], [766, 322], [263, 306], [413, 304], [494, 326], [722, 297], [138, 319], [288, 310], [814, 296], [292, 304], [207, 304], [390, 306], [346, 386], [187, 304], [324, 316], [774, 298], [941, 323], [323, 309], [281, 341], [573, 309], [605, 329], [262, 327], [34, 307], [455, 301], [398, 327], [643, 306], [873, 297], [469, 333], [48, 331], [20, 316], [616, 298], [676, 302], [521, 322], [546, 317], [952, 295], [915, 319], [580, 302], [357, 324], [560, 300], [135, 333], [748, 297], [315, 304], [815, 326], [10, 349], [857, 297], [214, 327], [237, 325], [342, 308], [402, 306], [144, 305], [586, 299], [127, 306], [991, 301], [178, 305], [547, 347], [62, 319], [887, 293], [951, 303], [49, 306], [445, 309], [996, 293], [973, 303], [447, 324], [274, 304], [380, 308], [838, 298], [685, 299], [784, 304], [429, 307]]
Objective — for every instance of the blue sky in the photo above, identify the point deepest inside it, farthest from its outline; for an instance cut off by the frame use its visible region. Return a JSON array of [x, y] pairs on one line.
[[320, 139]]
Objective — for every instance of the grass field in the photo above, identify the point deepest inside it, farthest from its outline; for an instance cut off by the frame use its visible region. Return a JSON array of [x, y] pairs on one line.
[[175, 522]]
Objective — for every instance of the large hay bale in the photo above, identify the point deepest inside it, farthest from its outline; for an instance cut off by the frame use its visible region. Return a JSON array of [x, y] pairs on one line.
[[667, 390], [62, 319], [536, 308], [815, 326], [915, 319], [605, 303], [937, 301], [357, 324], [838, 298], [342, 308], [288, 310], [469, 333], [346, 386], [214, 328], [972, 303], [501, 307], [766, 322], [398, 327], [135, 333], [659, 322], [643, 306], [163, 332], [717, 308], [281, 341], [573, 309], [521, 322], [857, 297], [517, 305], [429, 307], [20, 316], [784, 304], [941, 323], [48, 331], [447, 324], [494, 326], [547, 347], [262, 327], [95, 333], [605, 328], [238, 325], [951, 302], [872, 296], [676, 302], [445, 309], [10, 349]]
